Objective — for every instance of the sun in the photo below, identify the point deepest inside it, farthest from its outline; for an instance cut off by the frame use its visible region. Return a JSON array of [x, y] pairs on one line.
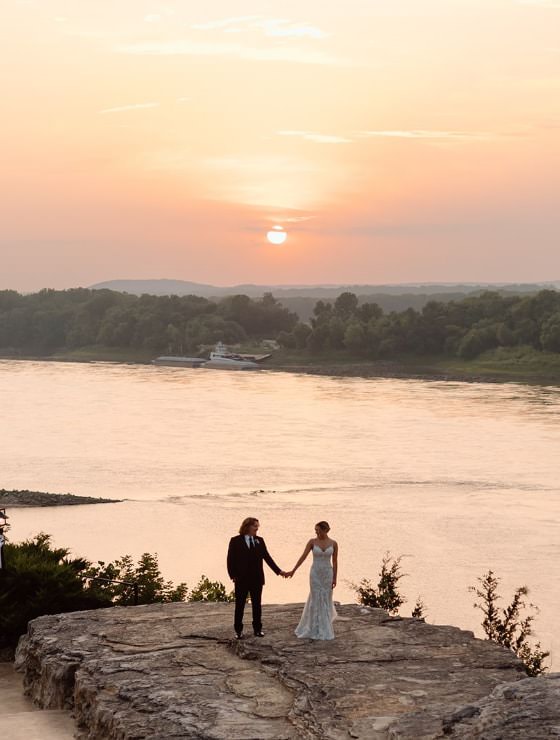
[[277, 235]]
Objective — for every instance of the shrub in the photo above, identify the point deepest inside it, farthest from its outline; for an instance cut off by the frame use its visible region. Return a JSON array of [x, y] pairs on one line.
[[386, 594], [40, 579], [507, 627], [152, 588], [207, 590]]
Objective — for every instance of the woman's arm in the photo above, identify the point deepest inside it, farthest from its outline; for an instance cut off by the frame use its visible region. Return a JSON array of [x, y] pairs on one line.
[[302, 558], [334, 564]]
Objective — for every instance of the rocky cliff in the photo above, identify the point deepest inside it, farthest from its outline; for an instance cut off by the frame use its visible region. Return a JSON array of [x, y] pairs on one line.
[[174, 671]]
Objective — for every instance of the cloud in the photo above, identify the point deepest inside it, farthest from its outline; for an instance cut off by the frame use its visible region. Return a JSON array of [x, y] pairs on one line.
[[225, 23], [186, 47], [133, 106], [426, 134], [317, 138], [274, 27]]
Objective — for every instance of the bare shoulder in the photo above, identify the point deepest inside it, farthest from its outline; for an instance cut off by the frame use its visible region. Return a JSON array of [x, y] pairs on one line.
[[334, 543]]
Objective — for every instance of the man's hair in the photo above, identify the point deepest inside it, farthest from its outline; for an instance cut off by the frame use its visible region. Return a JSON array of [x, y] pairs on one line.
[[246, 523]]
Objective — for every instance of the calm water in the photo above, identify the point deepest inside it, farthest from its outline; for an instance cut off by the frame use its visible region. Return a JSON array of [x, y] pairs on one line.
[[457, 477]]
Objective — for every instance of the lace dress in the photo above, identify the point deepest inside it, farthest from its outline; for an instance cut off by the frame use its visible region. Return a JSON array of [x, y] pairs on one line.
[[319, 612]]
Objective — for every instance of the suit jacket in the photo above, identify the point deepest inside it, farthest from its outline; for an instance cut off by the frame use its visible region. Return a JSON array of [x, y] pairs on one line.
[[246, 564]]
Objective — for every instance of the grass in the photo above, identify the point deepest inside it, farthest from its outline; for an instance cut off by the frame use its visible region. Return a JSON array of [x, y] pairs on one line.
[[521, 364]]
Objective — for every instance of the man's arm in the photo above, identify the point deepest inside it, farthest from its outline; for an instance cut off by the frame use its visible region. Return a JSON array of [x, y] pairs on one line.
[[270, 562], [232, 571]]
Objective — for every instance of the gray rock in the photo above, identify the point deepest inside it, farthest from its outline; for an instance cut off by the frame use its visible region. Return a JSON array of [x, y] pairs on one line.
[[520, 711], [174, 671]]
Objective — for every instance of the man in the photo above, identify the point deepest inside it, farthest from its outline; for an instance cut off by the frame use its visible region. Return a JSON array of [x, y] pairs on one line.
[[245, 557]]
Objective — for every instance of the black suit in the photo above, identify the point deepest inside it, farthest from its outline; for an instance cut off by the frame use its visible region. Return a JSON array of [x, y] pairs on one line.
[[245, 566]]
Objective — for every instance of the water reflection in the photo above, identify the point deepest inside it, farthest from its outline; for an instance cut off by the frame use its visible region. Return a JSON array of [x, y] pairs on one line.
[[462, 476]]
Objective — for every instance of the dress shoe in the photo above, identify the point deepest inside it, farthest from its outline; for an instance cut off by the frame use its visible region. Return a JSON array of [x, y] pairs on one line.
[[260, 633], [238, 635]]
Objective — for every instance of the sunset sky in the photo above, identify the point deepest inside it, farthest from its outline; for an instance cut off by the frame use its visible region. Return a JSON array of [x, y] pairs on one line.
[[394, 140]]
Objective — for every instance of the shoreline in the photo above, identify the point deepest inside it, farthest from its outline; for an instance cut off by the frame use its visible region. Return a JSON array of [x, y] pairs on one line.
[[352, 369], [36, 499]]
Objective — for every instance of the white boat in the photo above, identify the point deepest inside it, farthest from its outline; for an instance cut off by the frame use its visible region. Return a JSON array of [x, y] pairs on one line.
[[178, 361], [222, 358]]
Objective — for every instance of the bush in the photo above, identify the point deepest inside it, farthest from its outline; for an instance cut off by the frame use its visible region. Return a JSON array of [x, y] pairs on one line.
[[509, 628], [387, 595], [152, 588], [40, 579], [207, 590]]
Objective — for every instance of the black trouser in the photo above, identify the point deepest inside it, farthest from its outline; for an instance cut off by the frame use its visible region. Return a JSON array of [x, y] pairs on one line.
[[242, 590]]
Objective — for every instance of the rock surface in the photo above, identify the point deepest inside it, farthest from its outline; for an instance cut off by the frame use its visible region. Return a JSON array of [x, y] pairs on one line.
[[174, 671]]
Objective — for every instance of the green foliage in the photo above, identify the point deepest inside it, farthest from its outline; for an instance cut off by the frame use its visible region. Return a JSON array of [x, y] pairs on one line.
[[419, 609], [40, 579], [152, 588], [507, 626], [386, 594], [550, 333], [51, 320], [207, 590]]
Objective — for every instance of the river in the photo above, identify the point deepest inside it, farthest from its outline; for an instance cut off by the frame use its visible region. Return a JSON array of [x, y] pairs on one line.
[[456, 477]]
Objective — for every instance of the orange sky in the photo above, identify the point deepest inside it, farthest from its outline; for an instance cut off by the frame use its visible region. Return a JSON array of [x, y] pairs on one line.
[[395, 141]]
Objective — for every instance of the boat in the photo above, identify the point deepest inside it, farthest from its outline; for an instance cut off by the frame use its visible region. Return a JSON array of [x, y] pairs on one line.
[[178, 361], [222, 358]]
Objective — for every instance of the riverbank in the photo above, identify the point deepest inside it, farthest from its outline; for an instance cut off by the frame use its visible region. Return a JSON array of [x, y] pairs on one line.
[[15, 499], [502, 365]]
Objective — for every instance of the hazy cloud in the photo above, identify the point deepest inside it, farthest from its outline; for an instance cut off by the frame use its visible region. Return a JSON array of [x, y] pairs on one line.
[[133, 106], [275, 27], [426, 134], [191, 48], [317, 138]]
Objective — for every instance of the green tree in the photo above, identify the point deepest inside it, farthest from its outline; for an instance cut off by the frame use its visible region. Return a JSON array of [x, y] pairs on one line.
[[207, 590], [507, 626], [152, 587], [550, 333], [346, 305], [355, 337], [40, 579], [301, 334], [386, 594]]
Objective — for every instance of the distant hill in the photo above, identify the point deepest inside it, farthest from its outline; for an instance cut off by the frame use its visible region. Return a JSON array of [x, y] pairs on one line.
[[184, 287]]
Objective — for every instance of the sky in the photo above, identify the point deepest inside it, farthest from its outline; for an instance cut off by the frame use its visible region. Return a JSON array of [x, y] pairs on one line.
[[393, 140]]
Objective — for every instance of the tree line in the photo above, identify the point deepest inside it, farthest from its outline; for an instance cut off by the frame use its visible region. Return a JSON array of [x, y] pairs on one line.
[[51, 320], [464, 328]]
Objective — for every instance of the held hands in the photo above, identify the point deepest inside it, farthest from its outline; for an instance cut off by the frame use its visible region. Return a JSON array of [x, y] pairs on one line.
[[286, 573]]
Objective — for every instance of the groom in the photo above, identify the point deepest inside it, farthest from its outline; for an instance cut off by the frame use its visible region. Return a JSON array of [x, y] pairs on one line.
[[245, 557]]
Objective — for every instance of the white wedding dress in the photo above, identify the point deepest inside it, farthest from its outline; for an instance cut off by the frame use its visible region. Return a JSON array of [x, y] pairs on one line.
[[319, 612]]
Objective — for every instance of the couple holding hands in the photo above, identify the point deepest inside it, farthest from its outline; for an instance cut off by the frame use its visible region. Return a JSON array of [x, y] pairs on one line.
[[245, 557]]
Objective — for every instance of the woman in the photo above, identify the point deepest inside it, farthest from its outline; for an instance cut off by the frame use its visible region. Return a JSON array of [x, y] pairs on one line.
[[319, 612]]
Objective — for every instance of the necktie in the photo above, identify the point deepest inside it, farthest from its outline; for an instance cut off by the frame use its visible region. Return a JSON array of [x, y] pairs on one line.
[[252, 542]]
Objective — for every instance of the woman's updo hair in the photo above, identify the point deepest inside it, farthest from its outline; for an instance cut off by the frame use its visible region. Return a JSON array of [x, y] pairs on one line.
[[324, 526]]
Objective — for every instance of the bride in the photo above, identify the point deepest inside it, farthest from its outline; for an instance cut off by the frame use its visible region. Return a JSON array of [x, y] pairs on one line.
[[319, 612]]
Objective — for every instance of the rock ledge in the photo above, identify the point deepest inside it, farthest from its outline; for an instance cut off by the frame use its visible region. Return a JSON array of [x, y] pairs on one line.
[[173, 671]]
